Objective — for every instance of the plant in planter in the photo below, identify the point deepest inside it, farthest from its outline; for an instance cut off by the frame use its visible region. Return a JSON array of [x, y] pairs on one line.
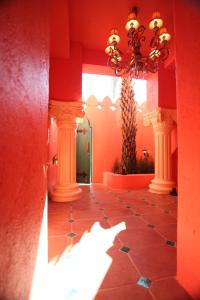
[[116, 166], [129, 127], [145, 165], [129, 163]]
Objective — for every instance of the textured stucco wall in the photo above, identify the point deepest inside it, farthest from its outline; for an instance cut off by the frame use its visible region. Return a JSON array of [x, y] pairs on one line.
[[188, 109], [167, 88], [66, 75], [24, 66]]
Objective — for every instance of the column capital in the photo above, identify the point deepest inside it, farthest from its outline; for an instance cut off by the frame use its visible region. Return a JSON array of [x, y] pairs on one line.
[[161, 117], [66, 111]]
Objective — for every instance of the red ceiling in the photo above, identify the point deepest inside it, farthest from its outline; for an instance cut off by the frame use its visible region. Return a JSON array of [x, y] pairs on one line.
[[91, 21]]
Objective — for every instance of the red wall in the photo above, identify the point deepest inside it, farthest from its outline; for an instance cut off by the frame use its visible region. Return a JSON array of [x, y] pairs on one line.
[[24, 106], [66, 76], [161, 89], [167, 88], [152, 92], [106, 140], [95, 57], [59, 29], [97, 69], [188, 107]]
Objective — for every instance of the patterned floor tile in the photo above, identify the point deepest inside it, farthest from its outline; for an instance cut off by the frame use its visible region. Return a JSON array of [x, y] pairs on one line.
[[155, 262], [169, 289], [146, 243]]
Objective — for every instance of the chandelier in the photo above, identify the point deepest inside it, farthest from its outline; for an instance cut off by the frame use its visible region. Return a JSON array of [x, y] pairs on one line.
[[136, 63]]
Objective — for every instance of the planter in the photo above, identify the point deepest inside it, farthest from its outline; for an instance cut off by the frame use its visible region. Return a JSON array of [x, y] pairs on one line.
[[130, 181]]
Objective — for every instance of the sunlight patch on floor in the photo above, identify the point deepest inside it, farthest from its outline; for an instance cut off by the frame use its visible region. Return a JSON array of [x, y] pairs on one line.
[[79, 272]]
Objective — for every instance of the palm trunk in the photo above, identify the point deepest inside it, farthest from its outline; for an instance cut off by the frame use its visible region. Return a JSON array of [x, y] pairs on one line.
[[129, 127]]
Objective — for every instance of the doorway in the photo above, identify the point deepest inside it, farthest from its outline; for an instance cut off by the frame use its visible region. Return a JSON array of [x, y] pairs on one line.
[[84, 152]]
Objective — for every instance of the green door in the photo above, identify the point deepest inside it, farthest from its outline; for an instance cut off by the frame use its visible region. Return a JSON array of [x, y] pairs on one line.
[[84, 152]]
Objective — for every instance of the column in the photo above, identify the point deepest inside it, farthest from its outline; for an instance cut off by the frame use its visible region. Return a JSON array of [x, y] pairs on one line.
[[163, 121], [66, 115]]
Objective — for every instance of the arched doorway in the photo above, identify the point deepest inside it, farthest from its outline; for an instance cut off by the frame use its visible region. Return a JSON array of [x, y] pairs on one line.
[[84, 152]]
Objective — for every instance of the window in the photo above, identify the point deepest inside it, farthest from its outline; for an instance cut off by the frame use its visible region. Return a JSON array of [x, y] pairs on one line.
[[101, 86]]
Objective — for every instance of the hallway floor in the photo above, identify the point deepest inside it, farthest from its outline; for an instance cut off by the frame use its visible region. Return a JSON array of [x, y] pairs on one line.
[[114, 244]]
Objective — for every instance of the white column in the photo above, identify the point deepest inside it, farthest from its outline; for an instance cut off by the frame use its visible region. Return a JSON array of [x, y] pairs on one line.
[[66, 114], [163, 121]]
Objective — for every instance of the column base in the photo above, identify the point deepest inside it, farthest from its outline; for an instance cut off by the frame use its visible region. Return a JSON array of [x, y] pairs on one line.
[[161, 186], [66, 193]]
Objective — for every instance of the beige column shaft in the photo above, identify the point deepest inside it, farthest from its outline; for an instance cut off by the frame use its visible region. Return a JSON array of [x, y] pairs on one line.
[[163, 122], [66, 113]]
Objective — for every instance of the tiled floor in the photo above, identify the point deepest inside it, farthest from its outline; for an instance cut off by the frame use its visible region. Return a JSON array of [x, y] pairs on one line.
[[116, 245]]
